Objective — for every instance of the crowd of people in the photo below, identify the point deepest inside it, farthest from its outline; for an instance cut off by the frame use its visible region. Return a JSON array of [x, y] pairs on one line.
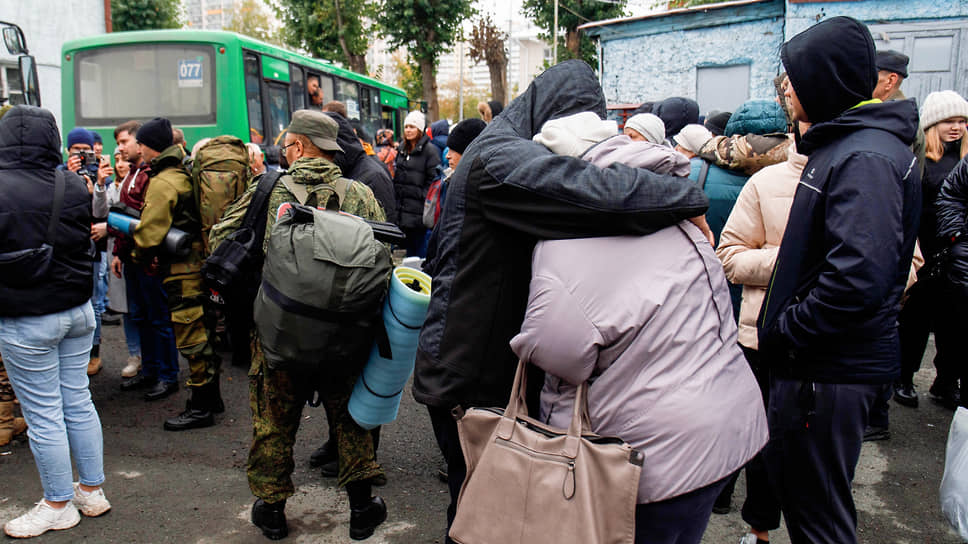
[[740, 291]]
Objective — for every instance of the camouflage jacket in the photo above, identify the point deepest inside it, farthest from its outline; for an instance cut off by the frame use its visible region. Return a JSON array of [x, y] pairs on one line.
[[314, 173], [746, 153], [169, 202]]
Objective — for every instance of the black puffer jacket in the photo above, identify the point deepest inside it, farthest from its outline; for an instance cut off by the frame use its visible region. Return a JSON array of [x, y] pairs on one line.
[[508, 192], [29, 154], [830, 313], [368, 170], [414, 172], [934, 175], [952, 207]]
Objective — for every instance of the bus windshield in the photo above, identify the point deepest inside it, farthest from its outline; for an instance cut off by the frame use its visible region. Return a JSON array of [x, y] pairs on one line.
[[115, 84]]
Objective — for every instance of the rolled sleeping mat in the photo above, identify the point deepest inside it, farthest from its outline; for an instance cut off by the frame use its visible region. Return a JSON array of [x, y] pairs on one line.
[[177, 243], [376, 395]]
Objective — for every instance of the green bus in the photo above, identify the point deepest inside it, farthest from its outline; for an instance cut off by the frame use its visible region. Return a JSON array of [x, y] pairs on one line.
[[210, 83]]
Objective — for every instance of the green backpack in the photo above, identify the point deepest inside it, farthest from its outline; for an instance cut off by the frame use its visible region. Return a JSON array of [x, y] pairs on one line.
[[220, 174], [323, 283]]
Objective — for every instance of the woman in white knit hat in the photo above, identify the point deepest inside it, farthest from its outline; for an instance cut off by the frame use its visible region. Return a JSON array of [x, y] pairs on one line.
[[415, 169], [645, 127], [943, 118]]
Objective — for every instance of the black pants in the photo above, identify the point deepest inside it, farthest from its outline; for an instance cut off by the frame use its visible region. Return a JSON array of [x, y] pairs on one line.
[[958, 298], [816, 431], [927, 309], [445, 430], [679, 520], [761, 509]]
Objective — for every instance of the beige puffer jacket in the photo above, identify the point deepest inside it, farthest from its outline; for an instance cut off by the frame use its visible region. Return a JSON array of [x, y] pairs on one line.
[[751, 238]]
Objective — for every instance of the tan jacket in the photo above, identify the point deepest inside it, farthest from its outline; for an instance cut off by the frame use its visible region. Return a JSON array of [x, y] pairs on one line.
[[751, 238]]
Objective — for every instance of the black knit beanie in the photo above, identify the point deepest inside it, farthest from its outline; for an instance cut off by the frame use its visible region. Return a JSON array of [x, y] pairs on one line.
[[464, 133], [156, 134]]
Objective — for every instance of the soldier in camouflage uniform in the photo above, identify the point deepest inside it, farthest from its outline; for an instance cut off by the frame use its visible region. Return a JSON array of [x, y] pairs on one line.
[[277, 396], [170, 202]]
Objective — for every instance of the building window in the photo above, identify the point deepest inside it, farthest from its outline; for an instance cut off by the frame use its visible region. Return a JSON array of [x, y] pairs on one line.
[[722, 88], [932, 53]]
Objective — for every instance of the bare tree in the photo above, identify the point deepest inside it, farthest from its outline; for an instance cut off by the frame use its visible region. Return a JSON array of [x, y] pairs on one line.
[[488, 44]]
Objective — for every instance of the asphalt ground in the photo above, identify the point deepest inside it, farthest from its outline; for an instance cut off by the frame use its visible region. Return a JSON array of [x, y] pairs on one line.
[[190, 487]]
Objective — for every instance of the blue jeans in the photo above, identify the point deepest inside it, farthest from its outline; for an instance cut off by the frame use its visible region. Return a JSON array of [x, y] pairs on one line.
[[132, 336], [148, 308], [100, 296], [46, 358]]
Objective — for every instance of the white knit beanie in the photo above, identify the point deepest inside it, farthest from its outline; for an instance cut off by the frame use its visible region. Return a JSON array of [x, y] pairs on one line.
[[574, 134], [649, 126], [942, 105], [417, 119], [692, 137]]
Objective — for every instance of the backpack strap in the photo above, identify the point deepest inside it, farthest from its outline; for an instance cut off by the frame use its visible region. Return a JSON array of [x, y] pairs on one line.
[[298, 190], [259, 205], [60, 186], [302, 194], [703, 172]]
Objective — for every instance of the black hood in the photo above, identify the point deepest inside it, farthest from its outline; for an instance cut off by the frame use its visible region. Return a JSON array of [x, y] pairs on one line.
[[564, 89], [347, 139], [899, 117], [676, 112], [29, 139], [831, 66]]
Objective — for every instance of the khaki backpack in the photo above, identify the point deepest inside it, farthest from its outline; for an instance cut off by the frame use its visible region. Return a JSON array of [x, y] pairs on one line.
[[220, 174]]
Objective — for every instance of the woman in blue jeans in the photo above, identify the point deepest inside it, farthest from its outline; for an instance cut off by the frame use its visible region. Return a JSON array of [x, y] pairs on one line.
[[46, 320]]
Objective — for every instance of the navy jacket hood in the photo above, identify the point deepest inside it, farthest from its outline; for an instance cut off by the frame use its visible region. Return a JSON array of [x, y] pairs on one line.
[[898, 117], [677, 112], [832, 67], [348, 141]]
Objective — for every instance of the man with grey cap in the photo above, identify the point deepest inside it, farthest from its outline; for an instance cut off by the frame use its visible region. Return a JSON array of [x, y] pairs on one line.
[[277, 397]]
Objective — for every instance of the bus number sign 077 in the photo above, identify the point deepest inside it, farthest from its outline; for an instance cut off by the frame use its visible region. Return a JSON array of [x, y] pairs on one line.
[[190, 73]]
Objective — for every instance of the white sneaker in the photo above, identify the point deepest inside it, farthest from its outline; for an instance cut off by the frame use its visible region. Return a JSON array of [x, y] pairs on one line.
[[132, 366], [42, 518], [91, 505]]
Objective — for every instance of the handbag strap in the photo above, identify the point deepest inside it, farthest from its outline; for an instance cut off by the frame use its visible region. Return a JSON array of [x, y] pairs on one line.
[[580, 420], [59, 188]]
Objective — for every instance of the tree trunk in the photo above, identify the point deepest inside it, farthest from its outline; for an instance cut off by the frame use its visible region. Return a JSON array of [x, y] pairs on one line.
[[356, 62], [572, 42], [429, 89], [499, 79]]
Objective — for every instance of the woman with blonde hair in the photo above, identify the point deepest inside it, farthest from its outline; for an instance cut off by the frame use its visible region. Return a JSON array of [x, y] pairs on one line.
[[943, 117]]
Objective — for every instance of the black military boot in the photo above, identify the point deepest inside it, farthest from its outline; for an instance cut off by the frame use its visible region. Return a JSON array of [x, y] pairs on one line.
[[215, 397], [197, 412], [366, 512], [324, 454], [271, 518]]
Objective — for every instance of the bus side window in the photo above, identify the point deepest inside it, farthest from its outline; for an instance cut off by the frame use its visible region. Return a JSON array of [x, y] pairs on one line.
[[253, 98], [278, 96], [297, 89]]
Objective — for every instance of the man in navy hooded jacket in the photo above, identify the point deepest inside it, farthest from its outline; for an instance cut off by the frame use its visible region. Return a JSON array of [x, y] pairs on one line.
[[829, 324]]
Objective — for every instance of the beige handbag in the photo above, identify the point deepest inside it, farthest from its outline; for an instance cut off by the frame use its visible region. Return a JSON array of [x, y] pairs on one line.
[[531, 483]]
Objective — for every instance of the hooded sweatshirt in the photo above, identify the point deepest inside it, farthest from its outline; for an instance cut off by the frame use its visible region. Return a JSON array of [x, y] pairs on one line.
[[507, 193], [831, 307], [355, 164]]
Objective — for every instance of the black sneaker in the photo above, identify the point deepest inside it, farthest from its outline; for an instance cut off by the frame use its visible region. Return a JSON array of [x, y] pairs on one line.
[[330, 469], [905, 395], [323, 454], [191, 418], [271, 518], [875, 434], [137, 382], [161, 390], [363, 522]]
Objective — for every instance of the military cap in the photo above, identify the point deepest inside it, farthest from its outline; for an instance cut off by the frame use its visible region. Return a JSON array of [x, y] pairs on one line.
[[318, 127]]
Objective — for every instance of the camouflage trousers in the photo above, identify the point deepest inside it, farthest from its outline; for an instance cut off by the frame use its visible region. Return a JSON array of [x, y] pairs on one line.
[[187, 298], [6, 390], [276, 398]]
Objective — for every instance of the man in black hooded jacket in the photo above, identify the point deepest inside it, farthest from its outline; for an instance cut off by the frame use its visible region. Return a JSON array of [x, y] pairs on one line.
[[829, 325], [507, 193], [357, 165]]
